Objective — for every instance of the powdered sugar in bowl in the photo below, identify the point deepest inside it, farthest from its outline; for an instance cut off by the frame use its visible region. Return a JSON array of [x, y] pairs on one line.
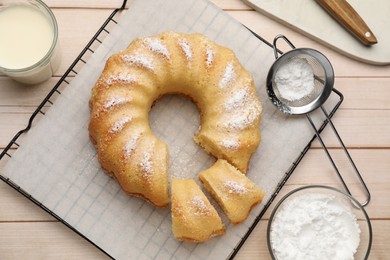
[[319, 222]]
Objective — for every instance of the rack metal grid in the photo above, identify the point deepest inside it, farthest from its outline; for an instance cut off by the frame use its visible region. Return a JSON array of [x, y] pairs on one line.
[[64, 81]]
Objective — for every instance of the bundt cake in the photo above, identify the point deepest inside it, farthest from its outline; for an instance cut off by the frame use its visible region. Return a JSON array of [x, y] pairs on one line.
[[234, 192], [193, 217], [171, 63]]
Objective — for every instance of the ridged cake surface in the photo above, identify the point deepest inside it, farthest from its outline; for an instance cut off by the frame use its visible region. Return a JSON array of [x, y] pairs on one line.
[[171, 63]]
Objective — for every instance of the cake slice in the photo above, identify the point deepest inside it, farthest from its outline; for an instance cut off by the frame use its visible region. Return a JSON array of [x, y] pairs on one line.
[[193, 217], [233, 191]]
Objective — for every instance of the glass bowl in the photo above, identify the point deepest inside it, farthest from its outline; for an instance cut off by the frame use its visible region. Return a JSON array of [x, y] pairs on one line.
[[315, 220]]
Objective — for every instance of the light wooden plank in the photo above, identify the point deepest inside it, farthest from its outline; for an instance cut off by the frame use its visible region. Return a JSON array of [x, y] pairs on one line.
[[10, 124], [72, 36], [364, 93], [373, 165], [256, 246], [358, 129], [343, 66], [15, 95], [44, 240]]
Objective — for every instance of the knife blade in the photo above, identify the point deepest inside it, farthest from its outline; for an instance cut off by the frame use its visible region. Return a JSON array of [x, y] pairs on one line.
[[344, 13]]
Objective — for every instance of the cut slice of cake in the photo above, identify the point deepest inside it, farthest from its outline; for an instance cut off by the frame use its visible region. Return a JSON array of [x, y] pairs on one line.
[[233, 191], [193, 217]]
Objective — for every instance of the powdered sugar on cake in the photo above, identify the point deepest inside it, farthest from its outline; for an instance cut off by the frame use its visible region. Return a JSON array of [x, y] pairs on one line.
[[118, 125], [245, 108], [210, 57], [244, 118], [200, 205], [228, 76], [239, 99], [230, 144], [115, 101], [130, 146], [139, 60], [235, 187], [186, 48], [157, 46], [121, 77], [111, 103], [146, 163]]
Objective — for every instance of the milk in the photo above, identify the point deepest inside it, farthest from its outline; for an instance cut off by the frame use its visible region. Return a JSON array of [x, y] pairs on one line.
[[28, 51]]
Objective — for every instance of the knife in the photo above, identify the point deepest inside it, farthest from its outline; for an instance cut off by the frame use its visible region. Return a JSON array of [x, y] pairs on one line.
[[344, 13]]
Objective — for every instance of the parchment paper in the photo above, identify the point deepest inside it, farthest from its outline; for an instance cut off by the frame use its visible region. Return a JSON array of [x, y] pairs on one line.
[[56, 162]]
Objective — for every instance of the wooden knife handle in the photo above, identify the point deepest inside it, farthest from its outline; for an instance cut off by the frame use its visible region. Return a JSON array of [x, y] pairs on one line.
[[344, 13]]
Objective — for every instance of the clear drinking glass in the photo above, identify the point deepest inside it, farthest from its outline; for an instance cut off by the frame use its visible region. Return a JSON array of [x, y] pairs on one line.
[[31, 22]]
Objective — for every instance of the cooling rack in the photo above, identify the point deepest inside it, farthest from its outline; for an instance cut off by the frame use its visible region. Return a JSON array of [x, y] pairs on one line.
[[64, 82]]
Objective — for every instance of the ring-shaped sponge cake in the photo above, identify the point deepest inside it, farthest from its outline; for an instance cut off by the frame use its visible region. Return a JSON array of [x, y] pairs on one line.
[[171, 63]]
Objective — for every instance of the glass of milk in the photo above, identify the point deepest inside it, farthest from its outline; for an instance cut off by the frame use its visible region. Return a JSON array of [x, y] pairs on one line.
[[29, 51]]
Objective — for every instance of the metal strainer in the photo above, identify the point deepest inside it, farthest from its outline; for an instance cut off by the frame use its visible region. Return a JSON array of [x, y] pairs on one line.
[[323, 85]]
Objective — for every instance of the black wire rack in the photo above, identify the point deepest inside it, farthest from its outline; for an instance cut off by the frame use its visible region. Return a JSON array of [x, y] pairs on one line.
[[64, 81]]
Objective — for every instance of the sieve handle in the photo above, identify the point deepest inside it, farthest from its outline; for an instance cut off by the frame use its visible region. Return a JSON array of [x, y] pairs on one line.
[[276, 51], [368, 195]]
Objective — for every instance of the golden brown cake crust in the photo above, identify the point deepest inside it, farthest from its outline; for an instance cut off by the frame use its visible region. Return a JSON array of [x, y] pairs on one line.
[[188, 64], [233, 191], [193, 217]]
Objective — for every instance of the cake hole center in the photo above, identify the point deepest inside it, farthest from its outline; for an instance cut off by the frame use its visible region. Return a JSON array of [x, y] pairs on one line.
[[175, 119]]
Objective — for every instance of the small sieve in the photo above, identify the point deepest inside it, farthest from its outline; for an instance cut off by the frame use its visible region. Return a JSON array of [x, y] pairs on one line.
[[323, 80]]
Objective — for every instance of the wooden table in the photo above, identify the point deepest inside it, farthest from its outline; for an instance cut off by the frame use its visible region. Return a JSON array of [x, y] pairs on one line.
[[27, 232]]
